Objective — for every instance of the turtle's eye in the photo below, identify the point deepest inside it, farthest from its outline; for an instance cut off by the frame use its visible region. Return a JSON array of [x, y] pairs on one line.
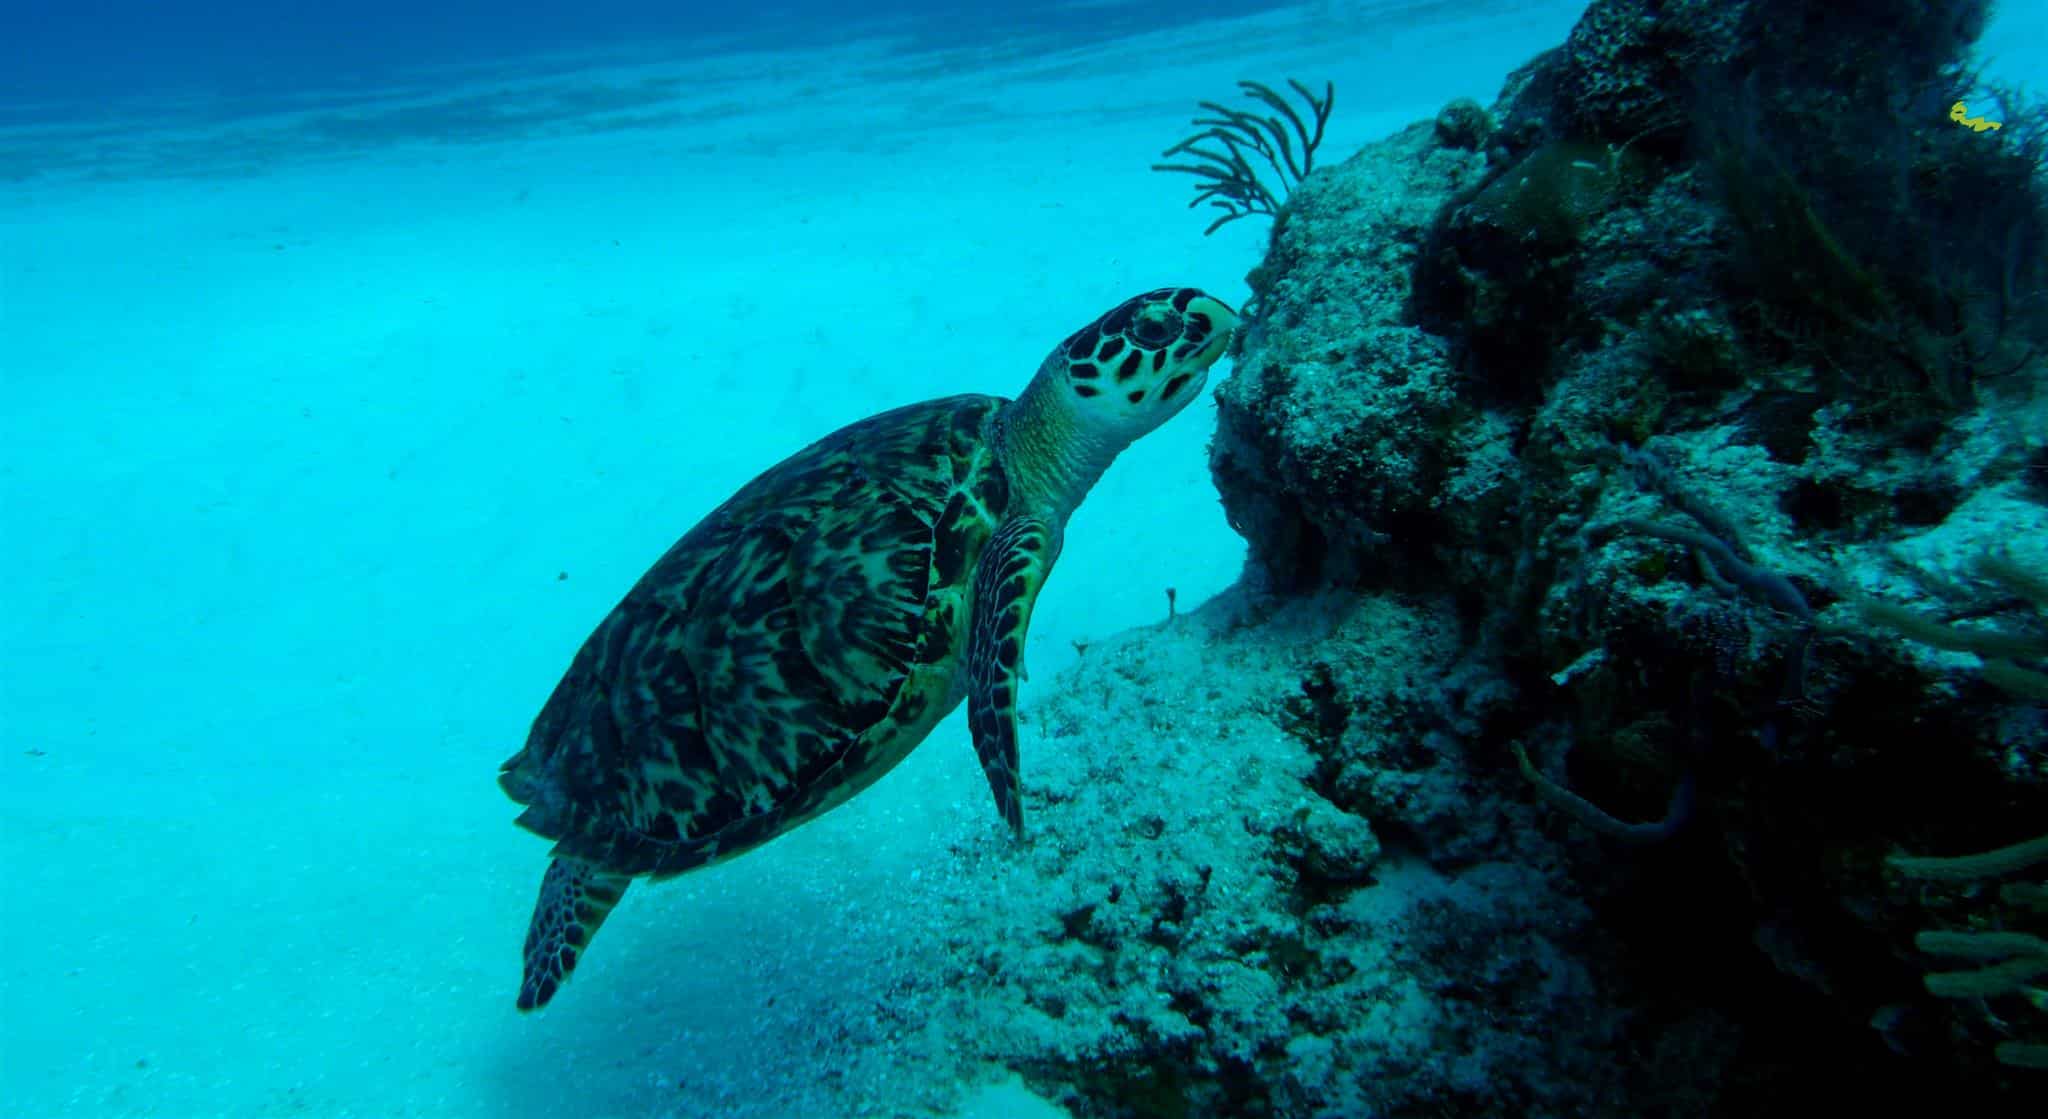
[[1154, 327]]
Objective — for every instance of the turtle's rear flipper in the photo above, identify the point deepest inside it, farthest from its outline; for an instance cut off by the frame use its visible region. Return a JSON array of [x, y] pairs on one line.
[[574, 899]]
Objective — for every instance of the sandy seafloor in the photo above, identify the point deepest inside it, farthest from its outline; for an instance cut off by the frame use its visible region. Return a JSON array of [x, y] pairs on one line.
[[328, 434]]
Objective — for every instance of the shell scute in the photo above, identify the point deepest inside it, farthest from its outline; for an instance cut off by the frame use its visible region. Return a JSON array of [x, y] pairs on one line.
[[765, 665]]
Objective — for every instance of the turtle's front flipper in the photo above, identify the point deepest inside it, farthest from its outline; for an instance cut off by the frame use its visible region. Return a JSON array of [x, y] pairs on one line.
[[574, 899], [1006, 582]]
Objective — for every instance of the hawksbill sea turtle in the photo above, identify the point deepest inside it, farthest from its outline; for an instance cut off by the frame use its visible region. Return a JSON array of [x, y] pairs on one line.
[[807, 634]]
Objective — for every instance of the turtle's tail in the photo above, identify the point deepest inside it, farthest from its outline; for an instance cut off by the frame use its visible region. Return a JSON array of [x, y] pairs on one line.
[[575, 897]]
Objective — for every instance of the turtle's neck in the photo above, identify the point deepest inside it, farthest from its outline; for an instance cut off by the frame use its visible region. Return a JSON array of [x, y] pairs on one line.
[[1053, 459]]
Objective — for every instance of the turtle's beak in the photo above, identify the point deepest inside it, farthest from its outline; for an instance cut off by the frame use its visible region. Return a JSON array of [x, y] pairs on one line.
[[1223, 323]]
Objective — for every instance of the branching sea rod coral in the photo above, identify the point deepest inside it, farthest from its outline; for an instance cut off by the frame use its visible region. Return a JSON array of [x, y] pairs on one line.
[[2009, 966], [1990, 965], [2005, 652], [1229, 181]]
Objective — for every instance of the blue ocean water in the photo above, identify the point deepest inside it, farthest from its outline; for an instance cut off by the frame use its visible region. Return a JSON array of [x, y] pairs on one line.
[[355, 358], [97, 49]]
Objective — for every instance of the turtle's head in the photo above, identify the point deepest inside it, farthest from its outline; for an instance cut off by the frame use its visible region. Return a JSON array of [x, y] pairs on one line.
[[1135, 367], [1107, 384]]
